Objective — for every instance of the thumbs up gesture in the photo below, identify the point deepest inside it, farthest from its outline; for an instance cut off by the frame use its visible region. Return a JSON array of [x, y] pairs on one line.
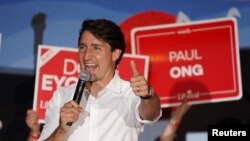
[[138, 82]]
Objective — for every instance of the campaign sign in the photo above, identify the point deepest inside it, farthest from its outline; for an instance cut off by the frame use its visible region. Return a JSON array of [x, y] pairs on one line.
[[58, 67], [197, 60]]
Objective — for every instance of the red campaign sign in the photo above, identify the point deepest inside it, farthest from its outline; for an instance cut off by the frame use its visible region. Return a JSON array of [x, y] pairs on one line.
[[198, 60], [58, 66]]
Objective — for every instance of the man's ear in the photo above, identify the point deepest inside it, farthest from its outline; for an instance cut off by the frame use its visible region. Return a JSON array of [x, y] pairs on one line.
[[116, 54]]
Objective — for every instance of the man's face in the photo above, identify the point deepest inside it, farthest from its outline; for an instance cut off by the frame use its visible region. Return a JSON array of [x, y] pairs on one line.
[[96, 57]]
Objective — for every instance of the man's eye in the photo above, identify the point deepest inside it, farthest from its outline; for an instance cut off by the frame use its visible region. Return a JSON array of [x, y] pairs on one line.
[[81, 47], [97, 47]]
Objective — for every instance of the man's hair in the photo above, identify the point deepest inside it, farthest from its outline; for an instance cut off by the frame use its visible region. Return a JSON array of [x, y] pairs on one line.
[[106, 31]]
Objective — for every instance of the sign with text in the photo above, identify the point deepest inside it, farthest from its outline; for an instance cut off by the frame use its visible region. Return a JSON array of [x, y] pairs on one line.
[[58, 67], [198, 60]]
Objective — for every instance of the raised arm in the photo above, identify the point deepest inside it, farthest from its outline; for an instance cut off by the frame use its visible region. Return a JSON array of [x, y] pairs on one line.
[[32, 123], [169, 132], [149, 108]]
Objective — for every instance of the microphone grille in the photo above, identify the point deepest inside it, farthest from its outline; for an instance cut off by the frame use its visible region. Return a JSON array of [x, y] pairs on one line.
[[84, 75]]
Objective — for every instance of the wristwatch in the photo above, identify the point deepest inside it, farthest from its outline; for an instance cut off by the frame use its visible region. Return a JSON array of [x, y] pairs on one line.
[[150, 92]]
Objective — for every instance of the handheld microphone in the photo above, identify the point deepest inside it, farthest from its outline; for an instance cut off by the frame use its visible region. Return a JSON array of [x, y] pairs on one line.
[[84, 76]]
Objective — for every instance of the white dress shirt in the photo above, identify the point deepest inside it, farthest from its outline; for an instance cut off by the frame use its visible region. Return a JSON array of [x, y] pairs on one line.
[[111, 116]]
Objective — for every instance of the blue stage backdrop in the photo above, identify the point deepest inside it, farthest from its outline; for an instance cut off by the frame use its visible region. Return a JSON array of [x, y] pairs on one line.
[[26, 23]]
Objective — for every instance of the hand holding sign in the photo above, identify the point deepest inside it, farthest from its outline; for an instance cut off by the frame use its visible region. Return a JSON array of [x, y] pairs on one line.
[[138, 82]]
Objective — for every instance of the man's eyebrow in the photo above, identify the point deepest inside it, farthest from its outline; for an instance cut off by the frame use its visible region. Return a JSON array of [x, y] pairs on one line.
[[81, 44], [96, 44], [92, 44]]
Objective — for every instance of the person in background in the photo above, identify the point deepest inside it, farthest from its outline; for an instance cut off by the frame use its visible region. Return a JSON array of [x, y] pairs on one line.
[[34, 126], [111, 109], [170, 130]]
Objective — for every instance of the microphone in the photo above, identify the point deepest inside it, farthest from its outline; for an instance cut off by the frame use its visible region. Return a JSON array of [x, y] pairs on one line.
[[84, 76]]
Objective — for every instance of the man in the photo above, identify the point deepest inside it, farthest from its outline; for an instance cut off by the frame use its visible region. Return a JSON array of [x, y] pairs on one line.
[[111, 109]]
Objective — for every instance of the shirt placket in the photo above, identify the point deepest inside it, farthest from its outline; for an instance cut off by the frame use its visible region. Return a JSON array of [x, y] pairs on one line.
[[93, 120]]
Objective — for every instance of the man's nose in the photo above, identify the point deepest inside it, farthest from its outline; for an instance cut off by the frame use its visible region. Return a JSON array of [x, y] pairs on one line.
[[88, 53]]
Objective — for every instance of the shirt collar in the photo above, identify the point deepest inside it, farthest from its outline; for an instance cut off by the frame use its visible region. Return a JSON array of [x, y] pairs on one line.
[[115, 84]]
